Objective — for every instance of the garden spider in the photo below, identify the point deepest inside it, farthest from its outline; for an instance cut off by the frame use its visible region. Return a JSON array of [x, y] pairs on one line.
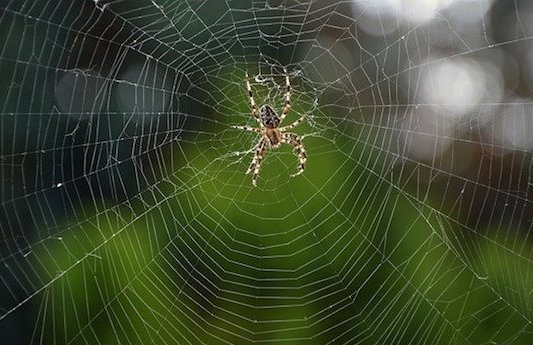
[[272, 136]]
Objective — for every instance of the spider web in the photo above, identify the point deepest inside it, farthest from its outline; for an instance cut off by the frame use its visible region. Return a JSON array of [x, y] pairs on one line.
[[127, 217]]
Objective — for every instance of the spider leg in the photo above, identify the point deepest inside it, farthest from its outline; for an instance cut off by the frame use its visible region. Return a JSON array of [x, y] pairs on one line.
[[292, 125], [252, 101], [294, 140], [287, 107], [248, 128], [255, 166]]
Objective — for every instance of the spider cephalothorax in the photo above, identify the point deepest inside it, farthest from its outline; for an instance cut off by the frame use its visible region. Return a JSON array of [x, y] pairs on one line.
[[272, 135]]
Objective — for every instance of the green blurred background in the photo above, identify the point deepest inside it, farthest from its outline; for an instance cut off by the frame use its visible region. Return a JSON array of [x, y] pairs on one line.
[[127, 217]]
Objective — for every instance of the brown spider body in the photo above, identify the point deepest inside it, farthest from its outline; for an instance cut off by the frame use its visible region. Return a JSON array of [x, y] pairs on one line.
[[272, 136], [271, 121]]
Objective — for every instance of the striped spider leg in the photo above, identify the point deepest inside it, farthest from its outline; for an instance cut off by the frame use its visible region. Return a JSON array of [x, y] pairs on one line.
[[294, 140], [287, 107], [255, 166], [252, 101]]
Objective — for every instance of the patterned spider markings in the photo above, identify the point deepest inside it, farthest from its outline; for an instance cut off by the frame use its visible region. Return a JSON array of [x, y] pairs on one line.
[[272, 136]]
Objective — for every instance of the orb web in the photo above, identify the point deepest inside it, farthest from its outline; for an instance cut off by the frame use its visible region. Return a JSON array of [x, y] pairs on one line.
[[127, 217]]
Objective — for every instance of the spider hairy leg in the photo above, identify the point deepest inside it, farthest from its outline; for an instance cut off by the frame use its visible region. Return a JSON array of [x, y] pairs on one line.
[[252, 101], [292, 125], [287, 96], [248, 128], [296, 142], [255, 166]]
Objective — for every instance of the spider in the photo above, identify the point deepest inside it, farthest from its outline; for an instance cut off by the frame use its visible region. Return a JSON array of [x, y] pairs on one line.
[[272, 136]]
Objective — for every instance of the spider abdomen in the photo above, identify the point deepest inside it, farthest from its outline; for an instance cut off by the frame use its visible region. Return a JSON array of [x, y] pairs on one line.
[[269, 117]]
